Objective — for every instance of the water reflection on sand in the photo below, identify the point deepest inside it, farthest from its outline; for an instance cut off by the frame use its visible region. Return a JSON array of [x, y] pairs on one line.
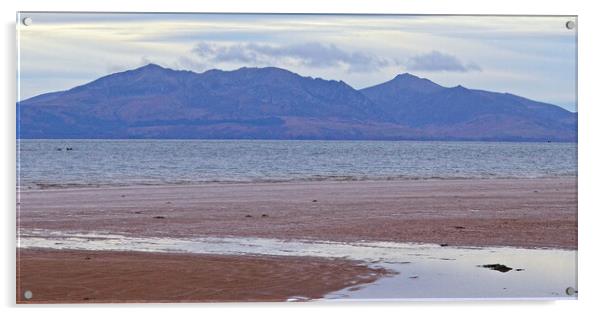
[[419, 270]]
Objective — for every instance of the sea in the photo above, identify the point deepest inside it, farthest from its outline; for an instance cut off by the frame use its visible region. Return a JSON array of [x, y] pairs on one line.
[[46, 164]]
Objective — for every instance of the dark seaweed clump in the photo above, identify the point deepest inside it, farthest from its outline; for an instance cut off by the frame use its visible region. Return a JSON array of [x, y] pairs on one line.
[[497, 267]]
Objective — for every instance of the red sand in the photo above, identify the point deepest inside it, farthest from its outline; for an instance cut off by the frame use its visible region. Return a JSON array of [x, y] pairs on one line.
[[513, 212], [120, 277]]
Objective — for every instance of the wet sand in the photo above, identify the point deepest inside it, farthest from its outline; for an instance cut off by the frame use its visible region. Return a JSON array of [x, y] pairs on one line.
[[488, 212], [508, 212], [120, 277]]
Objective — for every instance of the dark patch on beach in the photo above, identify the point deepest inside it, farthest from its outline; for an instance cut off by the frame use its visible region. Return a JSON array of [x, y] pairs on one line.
[[123, 195], [459, 227], [519, 269], [159, 217], [137, 212], [314, 201], [497, 267], [443, 245], [87, 258], [248, 216], [264, 215], [413, 277]]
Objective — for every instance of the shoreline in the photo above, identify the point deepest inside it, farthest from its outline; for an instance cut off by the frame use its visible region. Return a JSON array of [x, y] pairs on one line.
[[288, 272], [326, 180]]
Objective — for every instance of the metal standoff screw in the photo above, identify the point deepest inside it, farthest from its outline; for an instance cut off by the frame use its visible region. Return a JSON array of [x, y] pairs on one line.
[[570, 25], [570, 291], [28, 295]]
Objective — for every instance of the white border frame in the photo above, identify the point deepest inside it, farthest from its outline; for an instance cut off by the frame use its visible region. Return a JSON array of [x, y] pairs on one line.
[[589, 24]]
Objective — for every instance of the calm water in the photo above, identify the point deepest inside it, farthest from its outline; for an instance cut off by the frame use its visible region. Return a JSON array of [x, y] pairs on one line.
[[134, 162], [420, 270]]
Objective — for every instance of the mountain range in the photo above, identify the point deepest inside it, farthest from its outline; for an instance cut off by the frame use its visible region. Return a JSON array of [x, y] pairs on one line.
[[273, 103]]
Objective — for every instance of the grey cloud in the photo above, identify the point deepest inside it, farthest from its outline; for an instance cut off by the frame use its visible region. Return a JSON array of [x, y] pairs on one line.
[[309, 54], [438, 61], [187, 63]]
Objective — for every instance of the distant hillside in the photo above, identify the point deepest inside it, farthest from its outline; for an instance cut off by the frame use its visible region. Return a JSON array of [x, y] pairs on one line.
[[273, 103]]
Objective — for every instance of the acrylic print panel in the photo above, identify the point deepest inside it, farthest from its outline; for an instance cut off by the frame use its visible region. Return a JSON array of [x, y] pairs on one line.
[[231, 157]]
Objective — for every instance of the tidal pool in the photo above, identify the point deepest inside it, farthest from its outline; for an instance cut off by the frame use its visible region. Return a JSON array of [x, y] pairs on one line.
[[419, 271]]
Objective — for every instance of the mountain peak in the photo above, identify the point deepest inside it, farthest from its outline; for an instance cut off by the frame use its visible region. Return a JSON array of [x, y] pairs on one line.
[[157, 102], [150, 66], [409, 82], [406, 76]]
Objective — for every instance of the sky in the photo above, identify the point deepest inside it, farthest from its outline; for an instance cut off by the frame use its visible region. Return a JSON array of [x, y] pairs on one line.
[[534, 57]]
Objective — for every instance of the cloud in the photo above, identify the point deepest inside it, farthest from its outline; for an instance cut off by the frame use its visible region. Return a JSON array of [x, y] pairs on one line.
[[438, 61], [312, 54], [61, 50]]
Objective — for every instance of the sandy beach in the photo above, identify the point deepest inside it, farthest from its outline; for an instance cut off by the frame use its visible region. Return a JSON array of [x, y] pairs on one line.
[[122, 277], [488, 212], [508, 212]]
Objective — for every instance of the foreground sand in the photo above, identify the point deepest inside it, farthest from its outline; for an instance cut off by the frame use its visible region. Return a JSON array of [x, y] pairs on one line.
[[92, 277], [510, 212], [517, 212]]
